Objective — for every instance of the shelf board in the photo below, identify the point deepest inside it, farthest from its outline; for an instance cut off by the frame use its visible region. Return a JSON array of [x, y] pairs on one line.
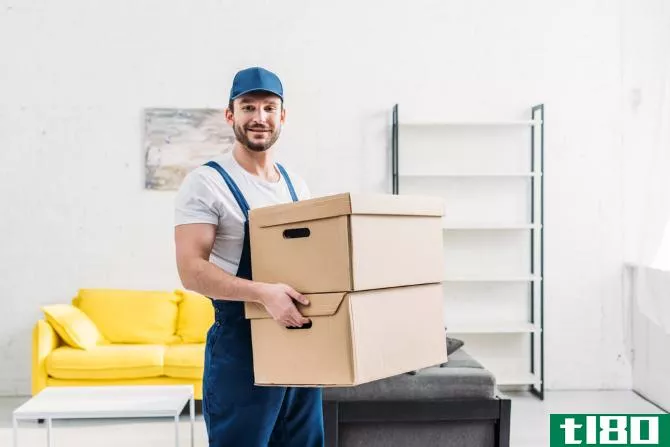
[[493, 328], [511, 379], [482, 278], [456, 123], [489, 226], [471, 174]]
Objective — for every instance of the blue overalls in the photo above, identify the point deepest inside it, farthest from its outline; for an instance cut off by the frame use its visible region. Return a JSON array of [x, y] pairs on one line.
[[237, 413]]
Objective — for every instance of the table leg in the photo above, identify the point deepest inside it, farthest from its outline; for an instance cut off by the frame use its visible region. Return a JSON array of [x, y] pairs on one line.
[[15, 431], [192, 410], [176, 431], [49, 438]]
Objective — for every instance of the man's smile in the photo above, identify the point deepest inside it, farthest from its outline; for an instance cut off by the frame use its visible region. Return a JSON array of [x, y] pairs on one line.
[[259, 130]]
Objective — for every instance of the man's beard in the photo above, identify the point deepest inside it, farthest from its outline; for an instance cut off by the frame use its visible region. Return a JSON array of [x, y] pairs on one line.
[[241, 136]]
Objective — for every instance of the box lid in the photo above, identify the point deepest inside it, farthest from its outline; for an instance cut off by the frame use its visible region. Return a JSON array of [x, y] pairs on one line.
[[320, 305], [344, 204]]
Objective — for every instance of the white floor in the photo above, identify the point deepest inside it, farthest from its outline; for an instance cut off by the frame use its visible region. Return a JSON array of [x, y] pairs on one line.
[[530, 422], [530, 416]]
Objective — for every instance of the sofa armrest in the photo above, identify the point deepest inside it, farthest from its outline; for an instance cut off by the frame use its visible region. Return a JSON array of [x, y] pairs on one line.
[[45, 340]]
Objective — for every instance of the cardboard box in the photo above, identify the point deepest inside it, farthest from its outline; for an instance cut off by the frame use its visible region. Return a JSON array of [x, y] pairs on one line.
[[349, 242], [355, 337]]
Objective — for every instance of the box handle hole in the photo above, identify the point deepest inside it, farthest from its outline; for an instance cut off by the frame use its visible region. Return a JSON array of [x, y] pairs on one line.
[[304, 326], [296, 233]]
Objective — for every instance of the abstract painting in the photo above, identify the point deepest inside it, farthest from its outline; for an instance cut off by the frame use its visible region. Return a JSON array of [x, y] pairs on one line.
[[178, 140]]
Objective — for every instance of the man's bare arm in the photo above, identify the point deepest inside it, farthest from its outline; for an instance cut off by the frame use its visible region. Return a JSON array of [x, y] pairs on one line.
[[193, 243]]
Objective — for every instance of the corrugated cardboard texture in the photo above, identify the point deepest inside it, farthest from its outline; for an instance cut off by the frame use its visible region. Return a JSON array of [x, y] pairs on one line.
[[397, 205], [299, 356], [353, 251], [397, 330], [393, 251], [321, 304], [346, 204], [304, 210], [319, 263], [371, 335]]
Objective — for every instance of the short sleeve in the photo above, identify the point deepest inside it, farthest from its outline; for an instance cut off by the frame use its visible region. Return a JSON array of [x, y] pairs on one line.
[[300, 185], [196, 201], [303, 191]]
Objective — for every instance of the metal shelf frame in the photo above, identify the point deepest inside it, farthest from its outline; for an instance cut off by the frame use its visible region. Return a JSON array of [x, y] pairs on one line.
[[536, 226]]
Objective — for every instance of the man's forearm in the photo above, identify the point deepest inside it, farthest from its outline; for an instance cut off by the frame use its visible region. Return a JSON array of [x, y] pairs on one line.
[[203, 277]]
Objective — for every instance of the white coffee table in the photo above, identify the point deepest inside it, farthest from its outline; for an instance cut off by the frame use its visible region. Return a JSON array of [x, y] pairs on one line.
[[107, 402]]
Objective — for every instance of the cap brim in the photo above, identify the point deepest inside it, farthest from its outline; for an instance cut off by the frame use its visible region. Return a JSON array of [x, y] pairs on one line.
[[256, 90]]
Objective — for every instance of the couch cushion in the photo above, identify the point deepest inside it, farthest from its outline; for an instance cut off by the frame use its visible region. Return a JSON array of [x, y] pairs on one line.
[[196, 316], [461, 377], [131, 316], [73, 326], [112, 361], [185, 361]]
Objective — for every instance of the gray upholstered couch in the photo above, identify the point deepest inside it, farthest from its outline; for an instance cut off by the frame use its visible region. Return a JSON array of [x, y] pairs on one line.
[[456, 405]]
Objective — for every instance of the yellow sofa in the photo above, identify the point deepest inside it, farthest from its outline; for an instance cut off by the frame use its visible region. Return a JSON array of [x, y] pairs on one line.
[[122, 337]]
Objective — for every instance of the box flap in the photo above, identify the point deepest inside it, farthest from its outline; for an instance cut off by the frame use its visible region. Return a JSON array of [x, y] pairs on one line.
[[320, 305], [343, 204], [398, 205], [304, 210]]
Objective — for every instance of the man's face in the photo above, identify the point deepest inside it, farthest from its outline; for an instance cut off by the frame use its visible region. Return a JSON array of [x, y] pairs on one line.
[[257, 119]]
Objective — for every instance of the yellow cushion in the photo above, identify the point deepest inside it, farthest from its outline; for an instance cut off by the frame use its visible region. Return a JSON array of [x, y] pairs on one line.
[[112, 361], [196, 315], [131, 316], [185, 361], [73, 326]]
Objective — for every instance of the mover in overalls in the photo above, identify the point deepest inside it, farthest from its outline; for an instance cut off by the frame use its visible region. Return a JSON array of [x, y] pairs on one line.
[[213, 258]]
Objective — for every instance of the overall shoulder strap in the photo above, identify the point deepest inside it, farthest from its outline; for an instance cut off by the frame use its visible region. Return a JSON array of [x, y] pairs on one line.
[[288, 182], [239, 197]]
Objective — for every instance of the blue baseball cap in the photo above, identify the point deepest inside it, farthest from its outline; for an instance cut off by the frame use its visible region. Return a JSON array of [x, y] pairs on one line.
[[256, 79]]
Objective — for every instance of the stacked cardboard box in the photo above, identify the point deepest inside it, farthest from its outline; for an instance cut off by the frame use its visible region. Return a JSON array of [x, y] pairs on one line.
[[371, 266]]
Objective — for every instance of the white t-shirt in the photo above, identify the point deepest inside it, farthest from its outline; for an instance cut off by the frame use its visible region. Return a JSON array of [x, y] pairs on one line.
[[204, 197]]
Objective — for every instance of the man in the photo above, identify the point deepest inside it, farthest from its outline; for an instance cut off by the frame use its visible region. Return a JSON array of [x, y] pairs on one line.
[[213, 258]]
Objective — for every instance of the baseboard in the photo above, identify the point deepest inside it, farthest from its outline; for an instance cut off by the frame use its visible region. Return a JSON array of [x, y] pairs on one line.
[[650, 400]]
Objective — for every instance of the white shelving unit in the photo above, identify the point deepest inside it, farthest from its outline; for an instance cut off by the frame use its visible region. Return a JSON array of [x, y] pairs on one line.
[[529, 278], [489, 226], [471, 174], [477, 123], [491, 176], [495, 328]]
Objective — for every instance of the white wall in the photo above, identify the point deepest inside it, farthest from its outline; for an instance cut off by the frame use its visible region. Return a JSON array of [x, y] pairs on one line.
[[79, 73], [646, 81], [646, 131], [648, 293]]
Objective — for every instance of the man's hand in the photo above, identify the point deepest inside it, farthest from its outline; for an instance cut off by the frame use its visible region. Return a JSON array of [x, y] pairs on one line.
[[278, 300]]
